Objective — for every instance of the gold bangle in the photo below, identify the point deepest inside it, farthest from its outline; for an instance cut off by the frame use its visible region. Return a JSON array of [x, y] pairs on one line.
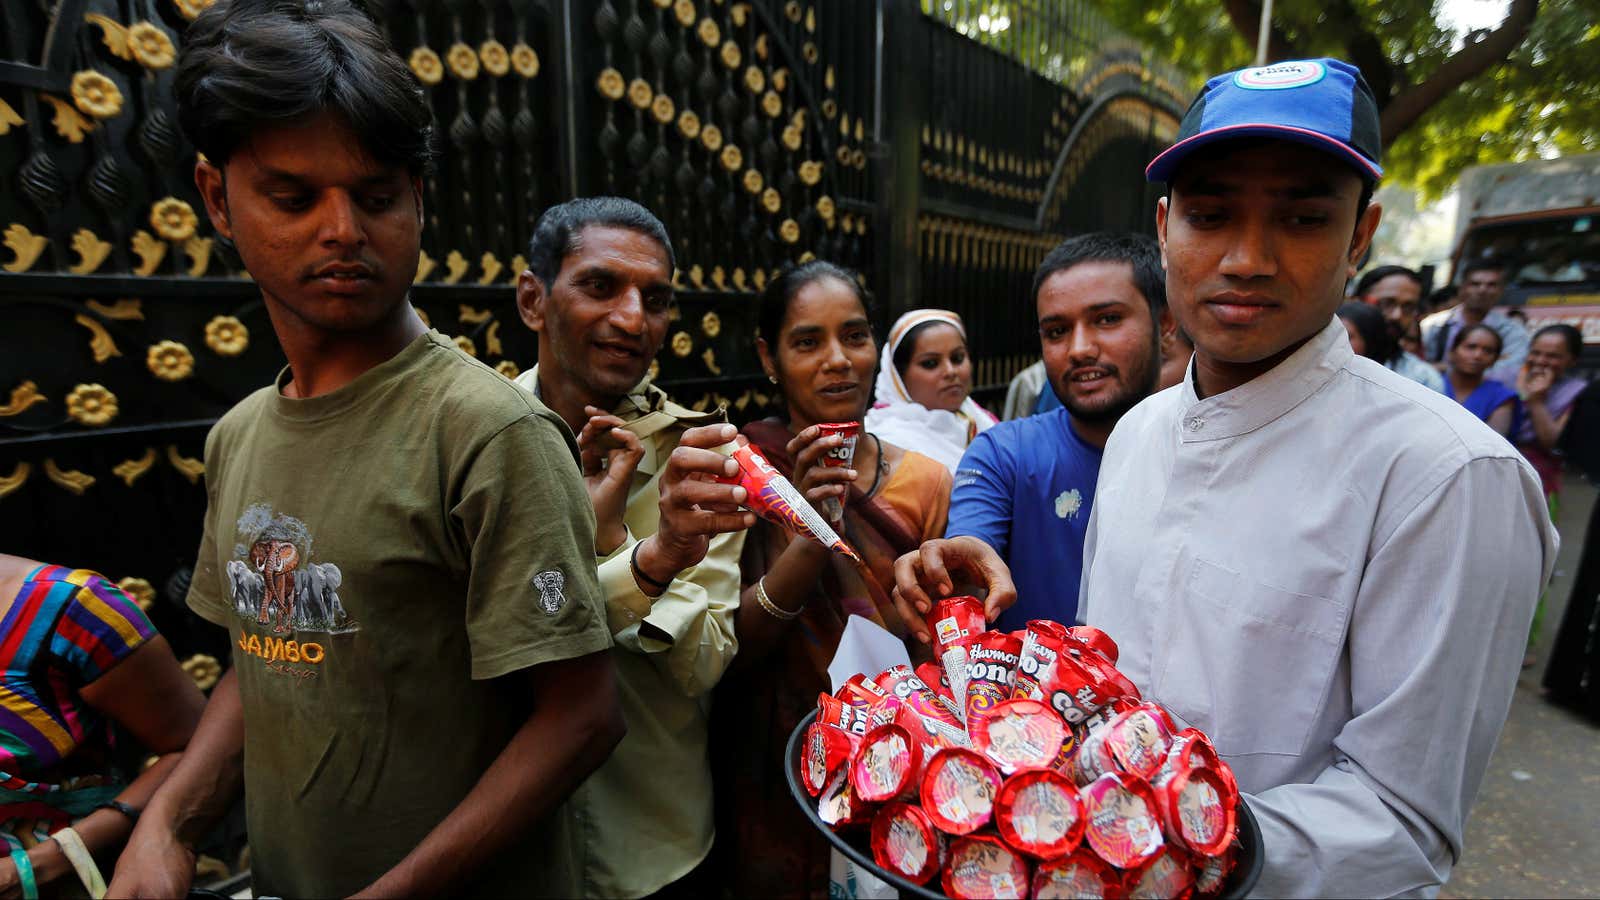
[[772, 609]]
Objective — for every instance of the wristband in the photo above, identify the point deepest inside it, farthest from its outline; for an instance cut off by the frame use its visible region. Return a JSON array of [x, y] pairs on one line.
[[118, 806], [642, 575], [82, 862], [30, 887]]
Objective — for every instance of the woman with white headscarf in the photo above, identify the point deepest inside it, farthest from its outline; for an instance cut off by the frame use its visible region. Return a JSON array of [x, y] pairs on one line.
[[923, 399]]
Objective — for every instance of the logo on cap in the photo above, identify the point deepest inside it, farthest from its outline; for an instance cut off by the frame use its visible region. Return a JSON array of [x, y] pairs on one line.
[[1280, 77]]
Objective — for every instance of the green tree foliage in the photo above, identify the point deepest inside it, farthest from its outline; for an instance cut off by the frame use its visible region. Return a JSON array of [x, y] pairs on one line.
[[1528, 87]]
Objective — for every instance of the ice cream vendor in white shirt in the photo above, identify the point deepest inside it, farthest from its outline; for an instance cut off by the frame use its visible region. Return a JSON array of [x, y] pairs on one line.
[[1325, 566]]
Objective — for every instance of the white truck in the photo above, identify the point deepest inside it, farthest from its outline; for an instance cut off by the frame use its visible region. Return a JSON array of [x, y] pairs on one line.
[[1542, 219]]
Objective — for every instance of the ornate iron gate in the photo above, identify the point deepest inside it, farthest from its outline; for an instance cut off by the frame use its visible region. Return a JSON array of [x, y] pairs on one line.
[[936, 152]]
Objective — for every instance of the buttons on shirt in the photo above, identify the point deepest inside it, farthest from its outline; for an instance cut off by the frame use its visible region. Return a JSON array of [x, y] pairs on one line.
[[1195, 423]]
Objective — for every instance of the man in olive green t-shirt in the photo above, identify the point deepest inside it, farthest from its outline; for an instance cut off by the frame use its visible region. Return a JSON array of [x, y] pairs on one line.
[[420, 671]]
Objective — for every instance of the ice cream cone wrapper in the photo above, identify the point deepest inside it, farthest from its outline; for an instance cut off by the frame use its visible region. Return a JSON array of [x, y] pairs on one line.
[[772, 497]]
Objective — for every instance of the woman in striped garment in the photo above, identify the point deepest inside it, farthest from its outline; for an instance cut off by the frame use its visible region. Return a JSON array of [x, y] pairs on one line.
[[78, 657]]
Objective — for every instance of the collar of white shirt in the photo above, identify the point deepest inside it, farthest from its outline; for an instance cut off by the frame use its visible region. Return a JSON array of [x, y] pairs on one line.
[[1269, 396]]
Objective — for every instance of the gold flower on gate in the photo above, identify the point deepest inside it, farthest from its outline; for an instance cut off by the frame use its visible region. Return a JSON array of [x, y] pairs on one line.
[[682, 343], [825, 206], [772, 104], [689, 124], [780, 80], [611, 84], [810, 172], [789, 231], [463, 61], [151, 46], [227, 336], [830, 108], [139, 591], [191, 9], [771, 200], [169, 361], [507, 368], [496, 58], [711, 324], [792, 11], [640, 93], [465, 345], [426, 65], [204, 669], [662, 109], [792, 137], [753, 181], [95, 95], [525, 60], [684, 11], [710, 33], [731, 57], [755, 79], [173, 219], [91, 404], [711, 136], [809, 52], [732, 158]]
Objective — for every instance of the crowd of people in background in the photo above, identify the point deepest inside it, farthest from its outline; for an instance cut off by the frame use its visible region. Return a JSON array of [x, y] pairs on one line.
[[567, 659]]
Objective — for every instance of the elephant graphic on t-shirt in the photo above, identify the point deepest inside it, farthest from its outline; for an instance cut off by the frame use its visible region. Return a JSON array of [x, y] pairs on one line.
[[276, 561]]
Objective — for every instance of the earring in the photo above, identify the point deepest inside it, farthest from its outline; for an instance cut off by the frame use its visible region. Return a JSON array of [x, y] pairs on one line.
[[772, 378]]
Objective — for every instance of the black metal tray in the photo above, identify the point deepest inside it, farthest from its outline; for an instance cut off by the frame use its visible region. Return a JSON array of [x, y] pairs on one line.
[[1246, 870]]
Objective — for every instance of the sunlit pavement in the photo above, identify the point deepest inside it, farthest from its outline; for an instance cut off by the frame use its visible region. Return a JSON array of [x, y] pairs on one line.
[[1535, 831]]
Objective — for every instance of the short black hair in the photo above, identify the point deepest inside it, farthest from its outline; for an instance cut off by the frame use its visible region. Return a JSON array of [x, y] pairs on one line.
[[253, 64], [1370, 325], [1461, 336], [790, 281], [559, 229], [1142, 253], [1375, 275], [1483, 265], [1570, 334]]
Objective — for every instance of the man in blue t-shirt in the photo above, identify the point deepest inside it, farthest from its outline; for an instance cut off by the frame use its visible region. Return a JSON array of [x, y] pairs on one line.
[[1025, 486]]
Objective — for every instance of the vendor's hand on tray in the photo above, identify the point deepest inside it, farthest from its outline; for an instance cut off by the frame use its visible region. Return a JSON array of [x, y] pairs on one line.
[[923, 575]]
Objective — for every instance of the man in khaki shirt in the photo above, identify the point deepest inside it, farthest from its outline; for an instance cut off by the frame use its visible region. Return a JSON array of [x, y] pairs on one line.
[[598, 291]]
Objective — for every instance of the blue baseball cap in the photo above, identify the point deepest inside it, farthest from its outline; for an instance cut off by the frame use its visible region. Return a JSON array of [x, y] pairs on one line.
[[1323, 103]]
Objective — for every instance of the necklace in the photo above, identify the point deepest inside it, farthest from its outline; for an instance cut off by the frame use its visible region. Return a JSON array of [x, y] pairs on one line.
[[883, 466]]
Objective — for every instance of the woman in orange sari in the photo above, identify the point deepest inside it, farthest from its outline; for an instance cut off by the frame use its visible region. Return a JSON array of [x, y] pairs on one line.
[[817, 346]]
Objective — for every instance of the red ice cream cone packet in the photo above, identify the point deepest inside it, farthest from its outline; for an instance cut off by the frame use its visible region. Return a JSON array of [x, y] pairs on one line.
[[1017, 734], [838, 458], [1096, 640], [772, 497], [886, 765], [905, 842], [1197, 809], [1124, 826], [1164, 876], [1039, 813], [958, 790], [1080, 875], [991, 669], [952, 623], [981, 865], [827, 750], [939, 720]]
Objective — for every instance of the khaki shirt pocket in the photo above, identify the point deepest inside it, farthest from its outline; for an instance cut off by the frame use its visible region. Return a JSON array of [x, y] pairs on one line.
[[1248, 663]]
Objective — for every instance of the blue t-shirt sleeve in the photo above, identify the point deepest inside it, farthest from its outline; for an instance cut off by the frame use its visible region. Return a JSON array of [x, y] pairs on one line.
[[980, 502]]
